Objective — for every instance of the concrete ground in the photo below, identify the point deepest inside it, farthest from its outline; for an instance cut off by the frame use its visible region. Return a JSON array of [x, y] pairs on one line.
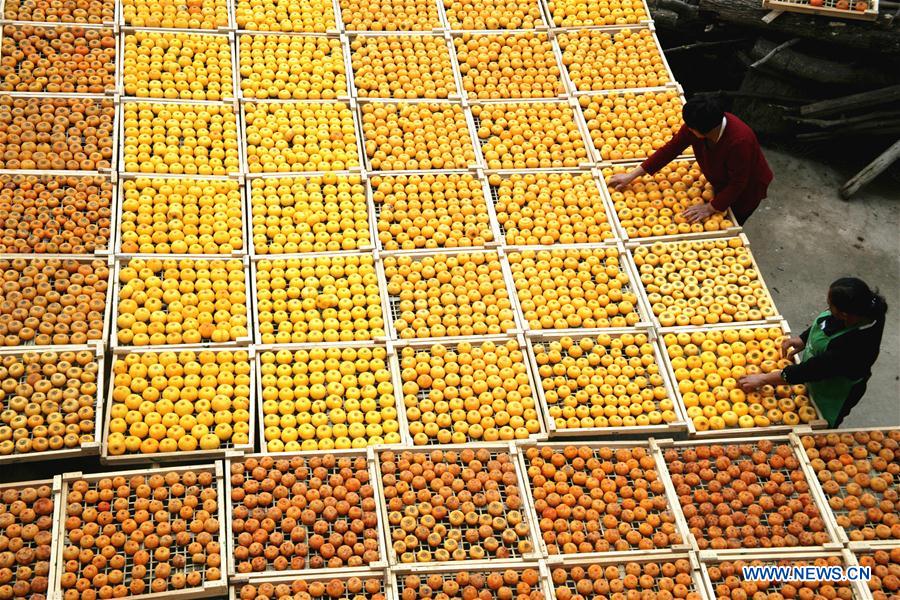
[[804, 237]]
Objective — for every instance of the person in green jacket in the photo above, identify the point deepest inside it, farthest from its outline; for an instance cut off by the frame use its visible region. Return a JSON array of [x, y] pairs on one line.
[[838, 351]]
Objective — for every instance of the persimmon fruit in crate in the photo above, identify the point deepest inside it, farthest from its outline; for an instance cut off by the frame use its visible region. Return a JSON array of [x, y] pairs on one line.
[[506, 584], [599, 499], [729, 583], [26, 518], [885, 565], [662, 580], [352, 588]]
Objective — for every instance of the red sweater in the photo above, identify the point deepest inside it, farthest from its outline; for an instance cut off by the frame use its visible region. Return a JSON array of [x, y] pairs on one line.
[[735, 166]]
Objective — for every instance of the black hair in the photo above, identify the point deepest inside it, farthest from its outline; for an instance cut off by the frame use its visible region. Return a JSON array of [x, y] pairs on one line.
[[703, 113], [853, 296]]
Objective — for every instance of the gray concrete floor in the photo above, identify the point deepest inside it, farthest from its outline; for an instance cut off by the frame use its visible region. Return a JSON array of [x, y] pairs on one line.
[[804, 237]]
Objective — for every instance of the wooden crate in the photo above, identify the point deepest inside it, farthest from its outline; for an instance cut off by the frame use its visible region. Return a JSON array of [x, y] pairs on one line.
[[798, 557], [843, 534], [382, 286], [494, 199], [393, 302], [208, 588], [236, 582], [828, 9], [602, 560], [832, 545], [865, 557], [639, 431], [495, 449], [674, 246], [118, 348], [782, 429], [108, 319], [548, 15], [734, 230], [180, 455], [450, 571], [83, 450], [235, 460], [426, 346], [258, 405], [612, 555], [376, 208], [57, 517], [230, 27], [626, 266], [245, 218]]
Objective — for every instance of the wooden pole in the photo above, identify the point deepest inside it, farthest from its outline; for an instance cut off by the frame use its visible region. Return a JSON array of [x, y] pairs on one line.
[[873, 170]]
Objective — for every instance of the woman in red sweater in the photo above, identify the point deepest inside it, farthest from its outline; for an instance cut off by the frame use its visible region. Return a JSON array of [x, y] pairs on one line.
[[728, 154]]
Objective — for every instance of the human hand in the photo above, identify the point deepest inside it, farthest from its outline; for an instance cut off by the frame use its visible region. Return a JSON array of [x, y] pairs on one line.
[[620, 181], [698, 213], [791, 345], [752, 382]]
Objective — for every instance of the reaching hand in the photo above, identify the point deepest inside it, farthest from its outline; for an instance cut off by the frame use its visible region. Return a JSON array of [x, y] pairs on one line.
[[620, 181], [791, 345], [698, 213], [752, 382]]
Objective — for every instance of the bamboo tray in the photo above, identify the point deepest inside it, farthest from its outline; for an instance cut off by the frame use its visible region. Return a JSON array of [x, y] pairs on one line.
[[828, 9], [238, 581], [254, 180], [382, 287], [425, 346], [566, 562], [393, 302], [57, 517], [572, 88], [781, 429], [495, 449], [208, 588], [797, 557], [99, 180], [484, 568], [375, 209], [732, 231], [674, 247], [634, 554], [390, 364], [119, 147], [114, 142], [235, 460], [179, 455], [245, 221], [605, 205], [118, 348], [108, 309], [626, 266], [832, 545], [229, 38], [674, 428], [83, 450], [109, 91], [844, 534]]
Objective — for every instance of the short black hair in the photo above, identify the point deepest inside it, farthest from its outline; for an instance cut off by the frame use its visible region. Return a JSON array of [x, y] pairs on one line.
[[703, 113]]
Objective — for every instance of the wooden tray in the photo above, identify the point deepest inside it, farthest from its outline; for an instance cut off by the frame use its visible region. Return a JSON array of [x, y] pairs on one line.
[[636, 432], [209, 588], [828, 9], [612, 555], [238, 581], [88, 449], [307, 572], [483, 568]]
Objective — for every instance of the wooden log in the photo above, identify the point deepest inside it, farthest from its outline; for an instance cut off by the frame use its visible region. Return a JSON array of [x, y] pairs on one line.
[[791, 62], [879, 116], [877, 37], [873, 170], [852, 102]]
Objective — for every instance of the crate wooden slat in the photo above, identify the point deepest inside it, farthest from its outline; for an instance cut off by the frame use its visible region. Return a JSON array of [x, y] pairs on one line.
[[613, 555], [674, 428], [118, 348], [214, 588], [832, 545], [425, 346], [260, 349], [828, 9], [845, 535], [83, 450], [778, 429], [180, 455], [507, 448], [307, 572]]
